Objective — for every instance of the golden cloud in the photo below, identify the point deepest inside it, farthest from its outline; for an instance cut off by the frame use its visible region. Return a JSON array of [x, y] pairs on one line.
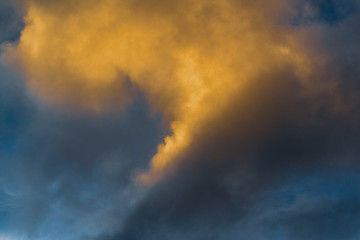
[[189, 58]]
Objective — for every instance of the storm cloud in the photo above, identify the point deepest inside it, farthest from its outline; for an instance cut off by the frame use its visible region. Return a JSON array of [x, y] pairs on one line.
[[134, 120]]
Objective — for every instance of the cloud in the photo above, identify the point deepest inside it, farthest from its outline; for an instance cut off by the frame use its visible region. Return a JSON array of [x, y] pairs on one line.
[[10, 22], [189, 59], [230, 167], [325, 11], [57, 166], [250, 99], [68, 165]]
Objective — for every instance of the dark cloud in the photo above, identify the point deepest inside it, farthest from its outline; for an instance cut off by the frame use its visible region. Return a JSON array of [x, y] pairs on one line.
[[15, 112], [324, 11], [320, 207], [10, 22], [63, 165], [15, 109], [80, 163], [331, 220], [225, 176]]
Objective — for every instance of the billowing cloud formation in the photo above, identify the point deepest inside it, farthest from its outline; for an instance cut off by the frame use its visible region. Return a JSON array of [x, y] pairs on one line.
[[189, 58], [259, 97]]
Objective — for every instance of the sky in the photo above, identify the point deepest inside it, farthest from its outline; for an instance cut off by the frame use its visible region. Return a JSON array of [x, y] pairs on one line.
[[181, 119]]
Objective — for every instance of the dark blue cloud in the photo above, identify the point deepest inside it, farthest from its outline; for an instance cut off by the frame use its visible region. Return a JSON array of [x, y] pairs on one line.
[[11, 22], [15, 110], [57, 166], [69, 164], [319, 206], [324, 11]]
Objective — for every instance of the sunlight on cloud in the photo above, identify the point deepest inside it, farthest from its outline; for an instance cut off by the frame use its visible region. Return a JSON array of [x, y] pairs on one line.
[[189, 58]]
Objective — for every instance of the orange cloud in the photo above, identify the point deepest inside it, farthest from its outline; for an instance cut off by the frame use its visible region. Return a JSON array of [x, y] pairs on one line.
[[190, 58]]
